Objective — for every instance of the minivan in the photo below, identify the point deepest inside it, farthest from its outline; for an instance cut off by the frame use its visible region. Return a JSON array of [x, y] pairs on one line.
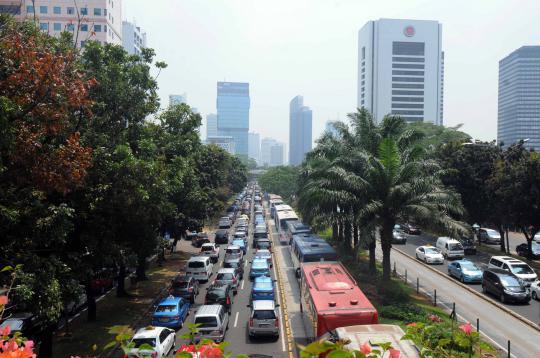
[[450, 248], [517, 267], [504, 285], [200, 268], [213, 322]]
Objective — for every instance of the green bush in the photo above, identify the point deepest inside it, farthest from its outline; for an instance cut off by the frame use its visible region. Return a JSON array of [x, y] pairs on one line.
[[403, 312]]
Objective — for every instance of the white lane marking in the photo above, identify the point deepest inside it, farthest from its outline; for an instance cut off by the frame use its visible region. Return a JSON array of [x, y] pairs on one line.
[[242, 286], [236, 319]]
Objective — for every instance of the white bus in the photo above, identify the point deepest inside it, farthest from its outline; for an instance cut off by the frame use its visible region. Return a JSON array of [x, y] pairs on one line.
[[282, 217]]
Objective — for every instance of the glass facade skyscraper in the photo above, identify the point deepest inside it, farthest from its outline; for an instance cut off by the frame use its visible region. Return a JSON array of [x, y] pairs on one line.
[[300, 130], [519, 97], [233, 105]]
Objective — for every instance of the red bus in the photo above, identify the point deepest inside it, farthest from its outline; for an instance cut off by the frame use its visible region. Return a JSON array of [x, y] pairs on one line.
[[330, 298]]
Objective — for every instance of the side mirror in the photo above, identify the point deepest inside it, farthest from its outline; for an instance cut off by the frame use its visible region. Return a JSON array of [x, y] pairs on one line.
[[275, 280], [277, 305], [248, 305]]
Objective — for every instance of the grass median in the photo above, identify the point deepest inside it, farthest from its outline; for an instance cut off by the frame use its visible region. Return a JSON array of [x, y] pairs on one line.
[[113, 311]]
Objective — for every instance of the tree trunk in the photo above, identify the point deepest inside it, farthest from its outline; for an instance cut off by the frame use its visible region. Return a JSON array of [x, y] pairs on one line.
[[46, 342], [348, 234], [335, 234], [386, 246], [356, 240], [141, 268], [372, 259], [503, 242], [91, 303], [121, 285]]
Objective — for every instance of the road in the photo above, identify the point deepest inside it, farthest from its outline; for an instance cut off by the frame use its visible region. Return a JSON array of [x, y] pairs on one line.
[[496, 324]]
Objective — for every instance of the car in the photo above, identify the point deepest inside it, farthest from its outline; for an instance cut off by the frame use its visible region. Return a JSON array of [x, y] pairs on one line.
[[517, 267], [200, 267], [489, 236], [234, 252], [264, 254], [236, 264], [190, 234], [185, 286], [224, 222], [219, 294], [171, 312], [152, 341], [398, 237], [411, 229], [200, 239], [259, 267], [504, 285], [221, 237], [465, 271], [228, 276], [263, 244], [263, 289], [469, 247], [535, 290], [211, 250], [240, 243], [25, 323], [429, 254], [523, 250], [213, 323], [263, 319], [450, 248]]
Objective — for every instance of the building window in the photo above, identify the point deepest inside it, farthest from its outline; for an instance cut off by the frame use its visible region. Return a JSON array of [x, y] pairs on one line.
[[71, 27], [408, 93], [112, 3], [104, 12], [408, 48], [363, 76], [43, 9], [44, 26], [407, 79], [83, 43], [84, 27], [10, 9], [84, 11], [104, 28], [57, 10], [407, 73], [57, 26], [30, 9], [408, 65], [71, 10], [97, 28], [408, 99], [408, 105], [414, 113], [408, 85], [407, 59], [363, 52], [97, 11]]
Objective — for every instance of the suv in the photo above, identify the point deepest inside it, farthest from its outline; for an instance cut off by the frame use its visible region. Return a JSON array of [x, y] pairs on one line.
[[228, 276], [263, 319], [224, 222], [469, 248], [411, 229], [236, 264], [234, 252], [211, 250], [517, 267], [504, 285], [186, 287], [200, 239], [212, 321], [219, 294], [221, 237]]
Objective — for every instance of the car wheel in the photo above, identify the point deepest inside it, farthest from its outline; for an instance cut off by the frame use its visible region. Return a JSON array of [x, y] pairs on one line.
[[462, 279], [416, 256], [484, 289], [502, 298], [534, 295]]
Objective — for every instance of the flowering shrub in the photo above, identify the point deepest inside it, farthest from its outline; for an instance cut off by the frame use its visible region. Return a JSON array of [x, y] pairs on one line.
[[13, 346]]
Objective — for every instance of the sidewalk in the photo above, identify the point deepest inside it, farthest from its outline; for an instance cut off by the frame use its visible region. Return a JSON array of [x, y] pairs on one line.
[[112, 311]]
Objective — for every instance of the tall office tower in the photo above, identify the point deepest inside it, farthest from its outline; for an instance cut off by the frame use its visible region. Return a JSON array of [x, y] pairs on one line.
[[519, 98], [300, 130], [211, 125], [233, 113], [276, 154], [254, 146], [401, 69], [98, 20], [133, 39], [266, 145], [224, 142], [177, 99]]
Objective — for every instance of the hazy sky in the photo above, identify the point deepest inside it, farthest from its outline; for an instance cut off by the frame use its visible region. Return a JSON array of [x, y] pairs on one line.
[[309, 47]]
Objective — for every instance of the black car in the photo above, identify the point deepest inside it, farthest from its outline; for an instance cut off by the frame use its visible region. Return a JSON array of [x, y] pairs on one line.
[[469, 246], [523, 250], [505, 286], [264, 244], [186, 287], [25, 323], [235, 264], [222, 237], [411, 229], [219, 294], [200, 239]]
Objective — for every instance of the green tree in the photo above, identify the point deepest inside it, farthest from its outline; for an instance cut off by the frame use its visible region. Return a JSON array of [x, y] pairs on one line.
[[281, 180]]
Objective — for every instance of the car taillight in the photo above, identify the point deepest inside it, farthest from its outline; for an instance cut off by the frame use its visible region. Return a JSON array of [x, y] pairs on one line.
[[205, 301], [190, 289], [126, 356], [228, 301], [154, 354], [176, 317], [251, 322], [234, 280], [277, 322]]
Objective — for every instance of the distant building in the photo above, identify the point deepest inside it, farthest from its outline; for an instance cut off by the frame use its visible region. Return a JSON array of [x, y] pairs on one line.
[[266, 144], [330, 128], [254, 146], [133, 39], [211, 125], [227, 143], [100, 20], [300, 130], [401, 69], [276, 154], [519, 98], [233, 105], [177, 99]]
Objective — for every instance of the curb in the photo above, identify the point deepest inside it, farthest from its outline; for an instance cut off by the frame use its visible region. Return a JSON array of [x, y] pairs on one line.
[[478, 294]]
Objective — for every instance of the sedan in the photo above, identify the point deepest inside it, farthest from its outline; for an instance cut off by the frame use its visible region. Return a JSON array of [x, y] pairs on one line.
[[186, 287], [535, 290], [264, 254], [171, 312], [151, 342], [398, 237], [411, 229], [465, 271], [429, 254], [523, 250], [240, 243]]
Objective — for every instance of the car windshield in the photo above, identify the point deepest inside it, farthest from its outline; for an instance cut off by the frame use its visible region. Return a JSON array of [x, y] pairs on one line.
[[492, 232], [206, 321], [260, 264], [137, 342], [195, 264], [215, 295], [239, 242], [14, 324], [207, 248], [263, 286], [455, 247], [509, 281], [264, 314], [180, 284], [522, 269], [231, 264], [224, 276], [232, 251], [166, 308], [432, 250], [263, 244], [469, 266]]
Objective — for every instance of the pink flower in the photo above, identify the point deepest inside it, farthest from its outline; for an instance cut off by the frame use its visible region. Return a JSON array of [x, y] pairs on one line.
[[466, 328], [3, 300], [413, 324], [365, 348], [394, 353], [434, 318], [5, 331]]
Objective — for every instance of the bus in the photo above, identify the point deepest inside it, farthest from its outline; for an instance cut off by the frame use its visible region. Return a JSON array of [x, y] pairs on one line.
[[310, 248], [330, 298], [278, 207], [296, 228], [281, 223]]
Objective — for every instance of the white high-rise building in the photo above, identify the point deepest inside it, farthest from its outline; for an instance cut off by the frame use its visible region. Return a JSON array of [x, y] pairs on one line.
[[401, 69], [133, 38], [254, 146]]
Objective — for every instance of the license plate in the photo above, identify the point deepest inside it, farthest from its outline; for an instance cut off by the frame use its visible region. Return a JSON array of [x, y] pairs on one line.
[[264, 325], [163, 319]]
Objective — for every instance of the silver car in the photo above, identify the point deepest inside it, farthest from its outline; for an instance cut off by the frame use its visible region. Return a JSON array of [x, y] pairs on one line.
[[213, 323], [228, 276], [263, 320]]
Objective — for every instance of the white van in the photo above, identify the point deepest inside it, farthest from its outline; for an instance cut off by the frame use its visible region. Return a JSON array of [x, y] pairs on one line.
[[450, 248], [519, 268], [200, 268]]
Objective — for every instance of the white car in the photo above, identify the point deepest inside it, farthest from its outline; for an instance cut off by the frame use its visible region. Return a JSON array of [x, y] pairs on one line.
[[535, 290], [211, 250], [154, 341], [429, 254]]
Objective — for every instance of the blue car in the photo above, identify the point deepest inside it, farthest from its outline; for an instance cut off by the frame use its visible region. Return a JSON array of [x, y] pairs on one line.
[[465, 271], [241, 243], [259, 267], [171, 312], [263, 289]]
